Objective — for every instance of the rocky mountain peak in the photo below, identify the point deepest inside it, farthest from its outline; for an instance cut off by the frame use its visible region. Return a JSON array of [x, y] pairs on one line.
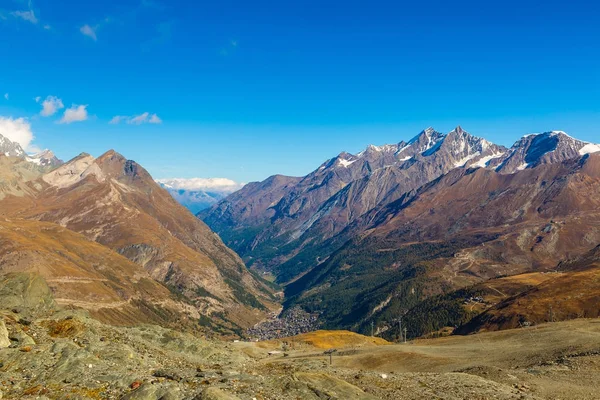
[[379, 149], [9, 148], [543, 148], [45, 158], [115, 165], [74, 171], [424, 141], [459, 130]]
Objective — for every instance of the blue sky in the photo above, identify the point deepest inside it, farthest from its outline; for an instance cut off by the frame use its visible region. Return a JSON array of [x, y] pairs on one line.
[[246, 89]]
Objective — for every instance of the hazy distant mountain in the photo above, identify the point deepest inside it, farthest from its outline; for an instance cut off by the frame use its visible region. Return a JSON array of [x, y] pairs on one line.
[[197, 194]]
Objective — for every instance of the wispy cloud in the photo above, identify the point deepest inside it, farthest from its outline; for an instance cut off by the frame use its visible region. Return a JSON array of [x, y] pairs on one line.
[[144, 118], [28, 15], [89, 31], [50, 106], [130, 16], [117, 119], [139, 119], [76, 113], [6, 96], [154, 119]]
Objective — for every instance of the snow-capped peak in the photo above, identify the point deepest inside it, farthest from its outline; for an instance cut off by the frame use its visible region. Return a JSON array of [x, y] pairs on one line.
[[10, 148], [45, 158], [459, 130], [552, 133], [544, 148]]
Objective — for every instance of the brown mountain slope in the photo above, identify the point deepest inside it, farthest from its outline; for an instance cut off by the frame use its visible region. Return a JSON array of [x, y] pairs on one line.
[[16, 178], [572, 292], [322, 204], [116, 203], [85, 274], [464, 228], [540, 215]]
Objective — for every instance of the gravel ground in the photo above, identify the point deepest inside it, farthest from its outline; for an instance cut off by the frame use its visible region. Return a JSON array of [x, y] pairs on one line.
[[70, 356]]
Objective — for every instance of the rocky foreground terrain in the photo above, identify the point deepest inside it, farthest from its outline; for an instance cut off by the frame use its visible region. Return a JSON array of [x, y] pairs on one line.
[[68, 355]]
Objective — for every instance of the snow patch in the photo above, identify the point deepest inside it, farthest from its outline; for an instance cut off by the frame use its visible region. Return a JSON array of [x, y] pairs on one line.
[[484, 161], [589, 148], [37, 161], [522, 166], [463, 161], [346, 163], [402, 149]]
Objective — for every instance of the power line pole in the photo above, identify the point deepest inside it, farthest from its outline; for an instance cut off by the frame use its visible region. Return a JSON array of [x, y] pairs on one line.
[[404, 335], [330, 352], [400, 328], [372, 328]]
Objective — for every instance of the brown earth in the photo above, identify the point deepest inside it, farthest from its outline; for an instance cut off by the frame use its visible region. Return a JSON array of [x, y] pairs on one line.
[[115, 203], [69, 355], [572, 292]]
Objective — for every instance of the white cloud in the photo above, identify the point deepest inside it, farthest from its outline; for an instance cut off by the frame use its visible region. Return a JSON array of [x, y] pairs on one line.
[[37, 99], [50, 106], [17, 130], [89, 31], [117, 119], [74, 114], [139, 119], [220, 185], [47, 27], [26, 15], [6, 96], [144, 118], [154, 119]]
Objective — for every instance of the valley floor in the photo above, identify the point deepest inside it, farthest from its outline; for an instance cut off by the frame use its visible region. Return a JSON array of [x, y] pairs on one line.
[[70, 356]]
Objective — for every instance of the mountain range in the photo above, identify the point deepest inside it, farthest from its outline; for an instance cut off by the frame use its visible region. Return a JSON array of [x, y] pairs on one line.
[[371, 236], [106, 237], [443, 230]]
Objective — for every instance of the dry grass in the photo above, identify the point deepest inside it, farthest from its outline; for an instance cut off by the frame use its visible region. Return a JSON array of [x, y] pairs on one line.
[[66, 328], [328, 340]]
